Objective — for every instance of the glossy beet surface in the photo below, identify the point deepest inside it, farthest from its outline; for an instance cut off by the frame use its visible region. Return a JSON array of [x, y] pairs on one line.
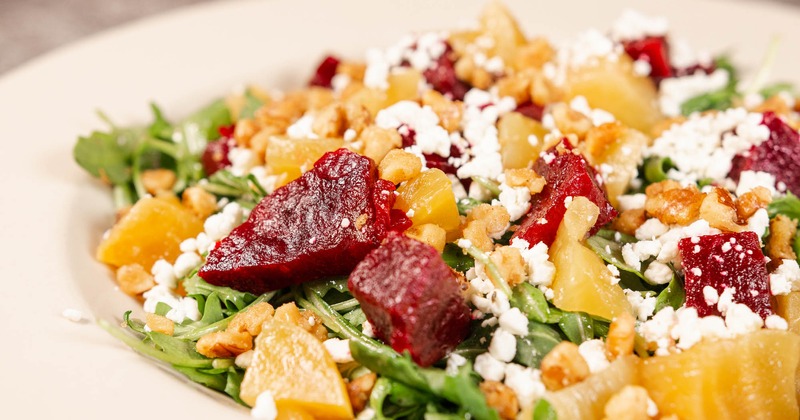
[[568, 175], [215, 156], [321, 224], [442, 77], [325, 72], [412, 299], [726, 260], [779, 155], [655, 51]]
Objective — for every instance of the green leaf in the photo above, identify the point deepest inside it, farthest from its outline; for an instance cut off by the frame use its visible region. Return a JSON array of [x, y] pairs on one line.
[[788, 206], [251, 104], [531, 302], [488, 184], [233, 384], [719, 99], [673, 295], [465, 205], [246, 190], [176, 354], [477, 342], [577, 326], [611, 252], [544, 411], [776, 88], [456, 258], [204, 124], [215, 381], [656, 168], [102, 155], [160, 128], [233, 300], [531, 348]]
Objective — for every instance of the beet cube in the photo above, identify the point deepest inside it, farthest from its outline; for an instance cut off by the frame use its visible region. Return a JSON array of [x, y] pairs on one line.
[[325, 72], [722, 261], [779, 155], [321, 224], [215, 156], [655, 51], [412, 299], [568, 175], [442, 76]]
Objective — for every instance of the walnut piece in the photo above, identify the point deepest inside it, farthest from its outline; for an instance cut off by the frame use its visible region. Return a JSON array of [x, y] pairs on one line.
[[199, 201], [134, 280], [399, 166], [563, 366], [224, 344], [160, 324], [621, 335], [782, 231], [672, 204], [501, 398], [430, 234], [629, 403], [359, 390], [251, 319]]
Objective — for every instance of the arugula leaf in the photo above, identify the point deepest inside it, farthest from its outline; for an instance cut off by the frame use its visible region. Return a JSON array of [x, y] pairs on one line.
[[214, 381], [233, 300], [673, 295], [488, 184], [174, 354], [160, 128], [776, 88], [544, 411], [107, 155], [611, 250], [532, 302], [246, 190], [719, 99], [532, 348], [577, 326], [465, 205], [477, 342], [788, 205], [656, 168], [456, 258]]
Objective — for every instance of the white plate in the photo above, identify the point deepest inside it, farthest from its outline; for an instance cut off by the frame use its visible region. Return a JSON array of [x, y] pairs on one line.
[[53, 214]]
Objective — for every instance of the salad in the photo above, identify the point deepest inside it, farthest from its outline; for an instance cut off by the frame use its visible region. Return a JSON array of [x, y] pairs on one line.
[[472, 223]]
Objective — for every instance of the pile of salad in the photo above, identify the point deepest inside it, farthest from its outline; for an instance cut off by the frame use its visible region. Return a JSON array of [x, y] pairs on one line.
[[473, 224]]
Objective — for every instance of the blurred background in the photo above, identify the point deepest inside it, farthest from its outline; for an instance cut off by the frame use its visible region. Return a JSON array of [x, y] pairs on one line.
[[29, 28]]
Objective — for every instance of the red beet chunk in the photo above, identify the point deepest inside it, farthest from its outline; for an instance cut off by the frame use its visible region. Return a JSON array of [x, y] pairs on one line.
[[531, 110], [321, 224], [567, 175], [215, 156], [779, 155], [726, 260], [411, 298], [442, 77], [654, 50], [325, 72]]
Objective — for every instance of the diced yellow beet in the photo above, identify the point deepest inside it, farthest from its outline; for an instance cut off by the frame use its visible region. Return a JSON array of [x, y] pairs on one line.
[[293, 157], [582, 281], [748, 377], [372, 99], [612, 85], [153, 229], [403, 86], [619, 151], [514, 132], [296, 369], [788, 306], [430, 196], [497, 23], [587, 399], [290, 412]]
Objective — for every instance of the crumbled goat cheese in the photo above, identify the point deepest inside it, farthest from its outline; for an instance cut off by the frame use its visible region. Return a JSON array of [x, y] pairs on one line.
[[539, 268], [643, 305], [516, 200], [598, 116], [164, 274], [181, 307], [339, 350], [514, 321], [490, 368], [525, 382], [704, 145], [302, 128], [633, 25], [421, 52], [631, 201], [245, 359], [481, 111], [749, 180], [185, 263], [73, 315], [673, 92], [658, 273], [651, 229], [594, 352], [242, 160], [785, 279], [265, 407], [586, 48], [430, 137], [758, 222], [776, 322], [710, 295], [681, 54], [367, 329], [503, 346]]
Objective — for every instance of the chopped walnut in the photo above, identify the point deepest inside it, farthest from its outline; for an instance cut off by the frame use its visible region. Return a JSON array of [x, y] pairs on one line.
[[430, 234], [525, 177], [224, 344], [330, 122], [251, 320], [600, 138], [134, 280], [517, 86], [260, 142], [449, 112], [309, 321], [543, 91], [501, 398], [672, 204], [776, 104], [534, 54], [199, 201], [358, 117], [156, 181], [510, 264], [621, 334], [496, 217], [719, 209], [782, 231], [318, 98], [244, 131], [359, 390], [629, 220], [160, 324], [379, 141], [570, 121], [629, 403], [748, 203], [399, 166], [475, 232], [361, 220], [279, 115], [468, 71], [563, 366]]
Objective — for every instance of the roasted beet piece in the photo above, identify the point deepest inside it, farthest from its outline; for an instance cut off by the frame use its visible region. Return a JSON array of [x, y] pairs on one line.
[[568, 175], [325, 72], [215, 156], [779, 155], [654, 50], [531, 110], [726, 260], [412, 298], [321, 224], [442, 76]]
